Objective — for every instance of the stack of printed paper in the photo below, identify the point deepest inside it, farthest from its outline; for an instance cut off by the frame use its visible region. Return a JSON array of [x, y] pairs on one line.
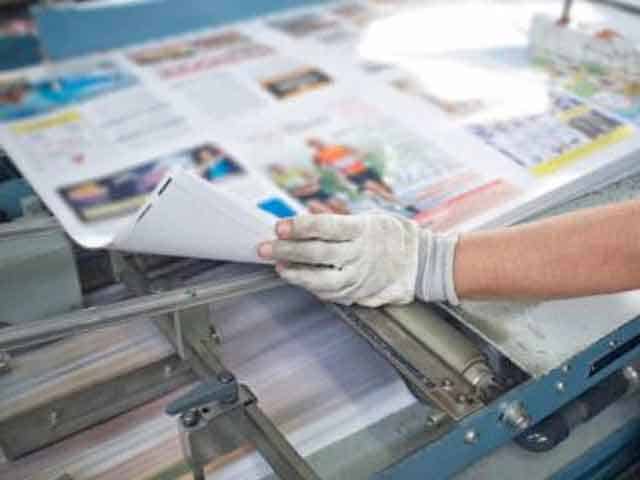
[[314, 377], [195, 145]]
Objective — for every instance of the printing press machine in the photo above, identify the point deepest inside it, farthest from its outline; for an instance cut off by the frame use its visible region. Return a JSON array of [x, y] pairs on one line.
[[222, 354]]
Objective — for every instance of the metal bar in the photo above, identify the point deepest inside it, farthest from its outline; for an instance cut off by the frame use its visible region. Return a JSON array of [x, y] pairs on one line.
[[283, 458], [566, 12], [622, 5], [49, 423], [177, 325], [40, 331], [198, 366], [34, 226]]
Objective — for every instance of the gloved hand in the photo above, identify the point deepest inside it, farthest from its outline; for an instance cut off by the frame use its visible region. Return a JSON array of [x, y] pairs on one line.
[[369, 259]]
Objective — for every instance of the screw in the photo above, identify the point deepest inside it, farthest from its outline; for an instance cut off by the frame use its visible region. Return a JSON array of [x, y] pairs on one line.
[[436, 418], [613, 344], [214, 336], [560, 387], [226, 377], [566, 368], [53, 418], [470, 437], [447, 384], [5, 362], [190, 418], [516, 416], [632, 376]]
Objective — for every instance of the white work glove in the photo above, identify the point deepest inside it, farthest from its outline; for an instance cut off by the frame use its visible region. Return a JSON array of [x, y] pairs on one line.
[[368, 259]]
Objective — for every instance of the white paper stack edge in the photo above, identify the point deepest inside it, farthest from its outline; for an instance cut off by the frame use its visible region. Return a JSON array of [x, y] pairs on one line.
[[537, 201]]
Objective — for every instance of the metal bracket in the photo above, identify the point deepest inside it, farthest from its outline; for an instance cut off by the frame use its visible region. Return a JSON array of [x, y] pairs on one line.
[[219, 416], [210, 407]]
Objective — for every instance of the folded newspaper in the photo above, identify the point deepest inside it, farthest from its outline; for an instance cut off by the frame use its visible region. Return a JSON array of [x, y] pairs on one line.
[[196, 145]]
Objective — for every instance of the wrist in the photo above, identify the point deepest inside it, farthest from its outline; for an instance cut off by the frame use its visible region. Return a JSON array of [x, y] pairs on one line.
[[435, 277]]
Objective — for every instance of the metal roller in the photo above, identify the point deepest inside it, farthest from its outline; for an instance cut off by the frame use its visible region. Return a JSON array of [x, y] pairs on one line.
[[429, 328]]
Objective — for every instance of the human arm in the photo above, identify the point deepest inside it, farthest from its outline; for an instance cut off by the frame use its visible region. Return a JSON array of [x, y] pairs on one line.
[[589, 252], [584, 253]]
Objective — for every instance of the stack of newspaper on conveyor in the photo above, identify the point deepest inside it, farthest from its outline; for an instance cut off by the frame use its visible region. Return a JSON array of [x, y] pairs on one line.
[[315, 378], [195, 145]]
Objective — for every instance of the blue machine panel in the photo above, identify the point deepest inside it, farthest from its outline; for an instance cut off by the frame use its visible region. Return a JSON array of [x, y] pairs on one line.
[[71, 30]]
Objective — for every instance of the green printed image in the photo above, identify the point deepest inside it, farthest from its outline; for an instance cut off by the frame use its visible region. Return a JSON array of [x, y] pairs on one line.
[[610, 89]]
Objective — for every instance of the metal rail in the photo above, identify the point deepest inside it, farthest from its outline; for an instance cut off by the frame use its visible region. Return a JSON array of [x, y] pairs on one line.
[[566, 11], [34, 226], [154, 305]]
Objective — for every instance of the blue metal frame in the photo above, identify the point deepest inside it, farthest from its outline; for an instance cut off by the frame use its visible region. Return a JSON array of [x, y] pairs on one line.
[[608, 458], [541, 397], [69, 30], [19, 51]]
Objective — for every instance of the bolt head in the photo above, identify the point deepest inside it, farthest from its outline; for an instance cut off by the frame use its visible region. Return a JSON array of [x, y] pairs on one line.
[[226, 377], [190, 418], [566, 368], [516, 416], [631, 374], [435, 418], [5, 362], [560, 387], [53, 418], [470, 437]]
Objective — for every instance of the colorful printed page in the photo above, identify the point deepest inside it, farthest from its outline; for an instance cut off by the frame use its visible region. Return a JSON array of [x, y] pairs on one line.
[[479, 76], [96, 141], [591, 61], [462, 78], [338, 153], [263, 83], [263, 119], [224, 73]]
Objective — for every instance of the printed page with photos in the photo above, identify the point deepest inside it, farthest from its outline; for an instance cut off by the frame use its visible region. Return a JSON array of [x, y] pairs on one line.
[[196, 144], [97, 142]]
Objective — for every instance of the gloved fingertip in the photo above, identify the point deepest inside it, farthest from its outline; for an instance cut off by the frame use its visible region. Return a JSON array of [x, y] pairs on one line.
[[280, 266], [265, 250], [284, 229]]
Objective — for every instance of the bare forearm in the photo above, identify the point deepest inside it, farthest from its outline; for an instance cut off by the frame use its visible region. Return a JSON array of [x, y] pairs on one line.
[[585, 253]]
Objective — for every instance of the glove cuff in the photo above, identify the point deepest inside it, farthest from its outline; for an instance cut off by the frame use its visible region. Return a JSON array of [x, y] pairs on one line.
[[436, 255]]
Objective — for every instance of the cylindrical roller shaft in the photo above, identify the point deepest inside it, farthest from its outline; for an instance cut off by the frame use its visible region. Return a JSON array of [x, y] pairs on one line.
[[428, 326]]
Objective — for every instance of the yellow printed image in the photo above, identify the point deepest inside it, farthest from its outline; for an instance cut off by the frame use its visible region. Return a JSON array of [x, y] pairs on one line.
[[26, 128], [567, 131]]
